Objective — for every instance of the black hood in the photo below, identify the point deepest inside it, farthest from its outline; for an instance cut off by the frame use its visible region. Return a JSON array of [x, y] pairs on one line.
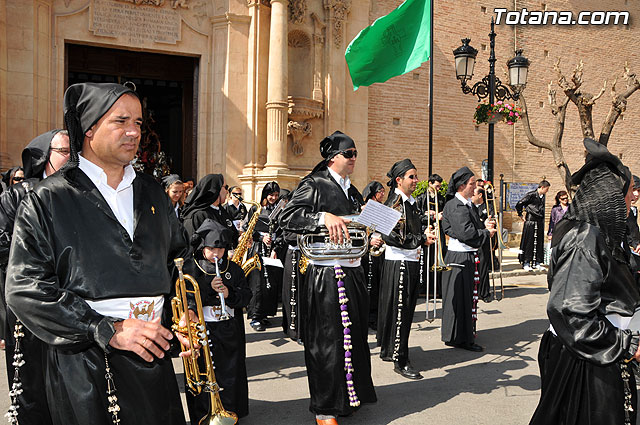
[[36, 154]]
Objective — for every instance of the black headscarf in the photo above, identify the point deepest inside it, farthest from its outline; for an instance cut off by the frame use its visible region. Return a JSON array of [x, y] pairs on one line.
[[169, 180], [636, 182], [8, 175], [203, 194], [371, 189], [331, 146], [36, 154], [603, 183], [398, 170], [212, 234], [268, 189], [458, 178], [84, 105]]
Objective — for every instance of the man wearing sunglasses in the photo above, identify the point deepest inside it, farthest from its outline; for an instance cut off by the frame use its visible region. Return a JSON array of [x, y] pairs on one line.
[[42, 157], [401, 277], [322, 198]]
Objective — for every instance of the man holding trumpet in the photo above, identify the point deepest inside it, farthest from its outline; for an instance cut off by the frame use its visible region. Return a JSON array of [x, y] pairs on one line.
[[91, 267]]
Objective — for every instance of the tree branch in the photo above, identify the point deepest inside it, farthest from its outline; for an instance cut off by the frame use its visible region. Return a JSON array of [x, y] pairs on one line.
[[618, 103]]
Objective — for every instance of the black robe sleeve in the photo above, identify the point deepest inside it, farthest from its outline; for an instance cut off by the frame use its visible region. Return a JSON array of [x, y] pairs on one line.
[[299, 215], [458, 223], [57, 316], [579, 269], [522, 203]]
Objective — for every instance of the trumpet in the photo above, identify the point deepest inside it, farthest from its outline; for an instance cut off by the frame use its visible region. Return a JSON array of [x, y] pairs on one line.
[[439, 263], [197, 379], [490, 200]]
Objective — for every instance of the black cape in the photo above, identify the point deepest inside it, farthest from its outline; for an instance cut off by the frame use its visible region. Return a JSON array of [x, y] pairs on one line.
[[322, 336], [580, 367], [56, 263], [461, 222]]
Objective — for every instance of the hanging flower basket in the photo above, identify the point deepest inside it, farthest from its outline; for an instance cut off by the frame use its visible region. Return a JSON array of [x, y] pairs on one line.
[[496, 112]]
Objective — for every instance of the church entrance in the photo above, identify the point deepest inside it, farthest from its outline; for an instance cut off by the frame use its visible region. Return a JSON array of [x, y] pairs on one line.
[[167, 86]]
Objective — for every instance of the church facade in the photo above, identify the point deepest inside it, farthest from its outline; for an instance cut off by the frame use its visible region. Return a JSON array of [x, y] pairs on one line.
[[248, 88]]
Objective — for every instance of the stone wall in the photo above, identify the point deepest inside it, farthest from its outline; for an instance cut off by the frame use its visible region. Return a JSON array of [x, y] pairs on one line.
[[457, 140]]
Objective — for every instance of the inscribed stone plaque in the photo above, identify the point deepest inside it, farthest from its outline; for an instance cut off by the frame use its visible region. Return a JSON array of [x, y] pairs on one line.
[[136, 24]]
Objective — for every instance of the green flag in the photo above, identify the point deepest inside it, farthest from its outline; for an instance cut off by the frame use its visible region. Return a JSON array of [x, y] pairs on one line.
[[393, 45]]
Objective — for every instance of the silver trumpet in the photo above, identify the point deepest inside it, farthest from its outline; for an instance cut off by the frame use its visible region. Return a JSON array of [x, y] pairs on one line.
[[223, 305]]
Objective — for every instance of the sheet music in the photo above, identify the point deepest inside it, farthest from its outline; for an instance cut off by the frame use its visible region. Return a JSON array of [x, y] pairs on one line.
[[275, 262], [379, 217]]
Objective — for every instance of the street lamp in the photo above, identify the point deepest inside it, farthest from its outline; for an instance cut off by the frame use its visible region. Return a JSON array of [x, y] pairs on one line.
[[490, 86]]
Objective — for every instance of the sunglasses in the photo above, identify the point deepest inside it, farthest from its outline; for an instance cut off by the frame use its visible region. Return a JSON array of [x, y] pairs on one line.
[[412, 176], [62, 151], [17, 179], [349, 154], [236, 193], [564, 199]]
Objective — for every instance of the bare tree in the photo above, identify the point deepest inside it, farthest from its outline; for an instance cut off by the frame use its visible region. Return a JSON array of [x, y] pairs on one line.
[[584, 102]]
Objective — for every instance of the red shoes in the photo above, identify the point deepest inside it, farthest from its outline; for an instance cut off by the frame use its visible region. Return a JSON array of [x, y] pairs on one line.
[[327, 421]]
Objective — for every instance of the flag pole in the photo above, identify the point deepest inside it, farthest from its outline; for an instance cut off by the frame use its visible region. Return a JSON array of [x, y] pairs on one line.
[[431, 92]]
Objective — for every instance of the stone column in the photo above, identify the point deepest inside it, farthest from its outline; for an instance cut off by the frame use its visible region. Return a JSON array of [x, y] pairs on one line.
[[277, 104]]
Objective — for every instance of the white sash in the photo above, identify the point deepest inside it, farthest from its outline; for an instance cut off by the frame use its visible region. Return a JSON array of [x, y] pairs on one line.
[[212, 313], [143, 308], [399, 254], [336, 262]]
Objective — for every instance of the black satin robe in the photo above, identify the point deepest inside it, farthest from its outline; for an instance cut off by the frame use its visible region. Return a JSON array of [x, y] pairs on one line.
[[322, 330], [228, 345], [461, 222], [195, 220], [580, 367], [266, 283], [407, 234], [68, 247], [532, 229]]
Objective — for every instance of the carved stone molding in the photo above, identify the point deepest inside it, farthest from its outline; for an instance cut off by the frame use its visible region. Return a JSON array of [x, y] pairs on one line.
[[174, 3], [297, 11], [338, 11], [298, 38], [303, 108], [251, 3], [298, 131]]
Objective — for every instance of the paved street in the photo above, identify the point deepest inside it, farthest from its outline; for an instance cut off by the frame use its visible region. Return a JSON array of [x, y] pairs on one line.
[[499, 386]]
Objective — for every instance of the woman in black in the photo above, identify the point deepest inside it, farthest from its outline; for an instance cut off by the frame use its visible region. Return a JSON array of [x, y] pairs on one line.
[[265, 283], [205, 201], [532, 243], [583, 356], [228, 346]]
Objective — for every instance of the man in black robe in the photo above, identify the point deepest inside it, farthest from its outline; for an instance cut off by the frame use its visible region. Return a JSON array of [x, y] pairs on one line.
[[532, 242], [460, 221], [401, 274], [339, 374], [42, 157], [583, 356], [91, 266], [484, 252]]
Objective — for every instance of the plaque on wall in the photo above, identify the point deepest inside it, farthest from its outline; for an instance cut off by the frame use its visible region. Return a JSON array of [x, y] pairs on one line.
[[135, 24]]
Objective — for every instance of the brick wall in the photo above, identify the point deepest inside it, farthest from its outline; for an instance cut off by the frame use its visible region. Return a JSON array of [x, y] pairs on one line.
[[457, 141]]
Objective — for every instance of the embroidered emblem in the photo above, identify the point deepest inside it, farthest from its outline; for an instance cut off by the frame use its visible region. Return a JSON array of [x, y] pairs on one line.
[[227, 276], [142, 310], [153, 210]]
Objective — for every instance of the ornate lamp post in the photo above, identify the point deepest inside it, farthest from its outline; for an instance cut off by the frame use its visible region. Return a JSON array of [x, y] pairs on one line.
[[490, 86]]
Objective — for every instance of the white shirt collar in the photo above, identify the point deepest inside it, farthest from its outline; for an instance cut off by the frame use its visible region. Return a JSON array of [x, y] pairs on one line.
[[97, 175], [215, 207], [462, 199], [345, 183], [405, 197]]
